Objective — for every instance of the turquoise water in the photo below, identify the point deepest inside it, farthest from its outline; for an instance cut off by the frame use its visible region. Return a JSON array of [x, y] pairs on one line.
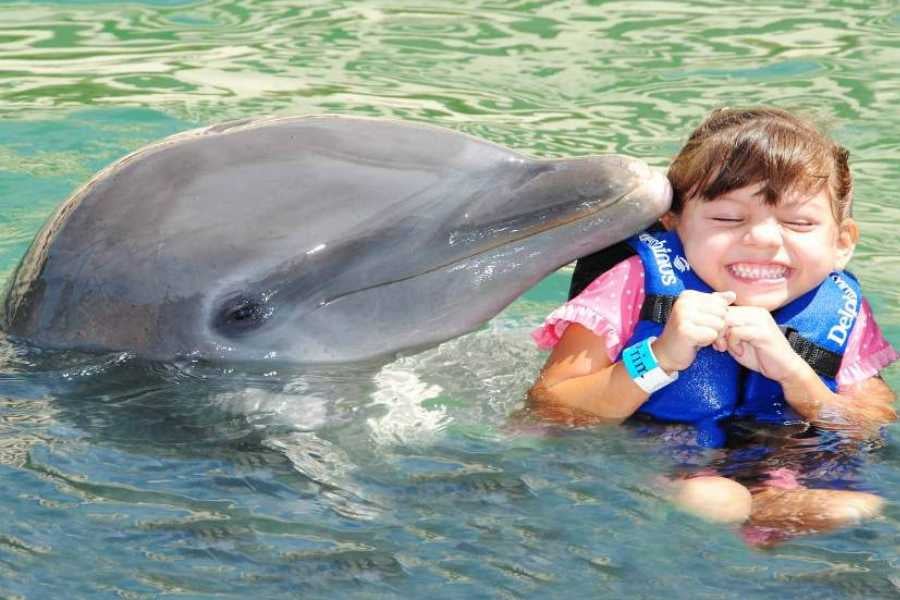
[[121, 479]]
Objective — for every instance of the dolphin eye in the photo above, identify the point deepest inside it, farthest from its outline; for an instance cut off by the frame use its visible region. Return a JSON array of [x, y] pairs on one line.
[[241, 315]]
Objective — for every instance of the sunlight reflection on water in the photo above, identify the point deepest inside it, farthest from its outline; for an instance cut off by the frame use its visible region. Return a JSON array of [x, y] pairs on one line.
[[123, 478]]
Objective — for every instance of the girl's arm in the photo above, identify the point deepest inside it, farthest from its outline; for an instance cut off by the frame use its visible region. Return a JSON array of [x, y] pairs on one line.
[[864, 406], [579, 384], [754, 340]]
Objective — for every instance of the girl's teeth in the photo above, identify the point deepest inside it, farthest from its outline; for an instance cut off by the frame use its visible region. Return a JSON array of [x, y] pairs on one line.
[[757, 272]]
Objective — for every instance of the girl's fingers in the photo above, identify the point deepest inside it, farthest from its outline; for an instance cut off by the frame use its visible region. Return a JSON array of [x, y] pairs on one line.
[[701, 335], [728, 296], [713, 304], [744, 333], [721, 344], [740, 339], [746, 315], [735, 319], [709, 320], [735, 343]]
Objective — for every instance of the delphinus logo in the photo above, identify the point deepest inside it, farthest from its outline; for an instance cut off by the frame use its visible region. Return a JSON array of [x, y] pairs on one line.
[[661, 256], [846, 314]]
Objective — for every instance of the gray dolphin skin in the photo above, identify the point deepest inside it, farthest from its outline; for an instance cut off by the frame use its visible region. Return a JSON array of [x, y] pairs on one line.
[[313, 240]]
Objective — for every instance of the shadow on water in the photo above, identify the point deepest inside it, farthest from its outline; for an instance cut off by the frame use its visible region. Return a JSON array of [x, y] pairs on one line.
[[240, 413], [233, 465]]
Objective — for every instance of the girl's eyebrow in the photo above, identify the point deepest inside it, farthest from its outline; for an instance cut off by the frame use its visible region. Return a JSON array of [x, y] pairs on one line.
[[795, 204], [726, 198], [737, 195]]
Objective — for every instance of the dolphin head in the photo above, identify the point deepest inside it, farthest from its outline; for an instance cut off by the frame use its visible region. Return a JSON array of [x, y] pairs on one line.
[[315, 240], [410, 279]]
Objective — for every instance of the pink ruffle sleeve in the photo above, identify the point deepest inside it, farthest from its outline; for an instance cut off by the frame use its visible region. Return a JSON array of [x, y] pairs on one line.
[[867, 351], [609, 306]]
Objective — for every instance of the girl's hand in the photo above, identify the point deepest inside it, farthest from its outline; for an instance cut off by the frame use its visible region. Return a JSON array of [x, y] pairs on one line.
[[697, 320], [755, 341]]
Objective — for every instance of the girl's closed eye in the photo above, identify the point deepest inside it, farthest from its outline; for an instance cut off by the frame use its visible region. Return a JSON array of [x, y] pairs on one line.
[[799, 223], [727, 219]]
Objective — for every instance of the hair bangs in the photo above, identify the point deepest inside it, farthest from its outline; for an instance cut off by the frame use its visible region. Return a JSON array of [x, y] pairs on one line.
[[775, 156], [735, 148]]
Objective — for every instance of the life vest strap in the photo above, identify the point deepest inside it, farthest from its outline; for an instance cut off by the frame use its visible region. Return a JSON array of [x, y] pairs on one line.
[[590, 267], [657, 309], [823, 361]]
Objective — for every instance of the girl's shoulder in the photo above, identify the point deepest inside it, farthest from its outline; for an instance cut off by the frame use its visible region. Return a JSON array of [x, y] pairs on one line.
[[609, 306], [868, 352]]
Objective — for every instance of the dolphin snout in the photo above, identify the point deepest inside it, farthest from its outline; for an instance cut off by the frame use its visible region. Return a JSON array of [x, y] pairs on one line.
[[656, 191], [660, 187]]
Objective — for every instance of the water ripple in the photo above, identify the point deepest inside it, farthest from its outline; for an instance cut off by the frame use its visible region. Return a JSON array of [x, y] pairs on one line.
[[123, 477]]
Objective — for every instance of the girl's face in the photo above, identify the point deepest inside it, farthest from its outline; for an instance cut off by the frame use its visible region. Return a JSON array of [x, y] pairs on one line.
[[767, 255]]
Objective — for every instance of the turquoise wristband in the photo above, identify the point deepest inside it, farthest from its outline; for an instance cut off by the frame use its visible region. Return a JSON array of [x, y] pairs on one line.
[[643, 367], [638, 358]]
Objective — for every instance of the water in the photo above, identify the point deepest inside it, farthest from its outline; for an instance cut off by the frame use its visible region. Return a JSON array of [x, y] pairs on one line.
[[132, 480]]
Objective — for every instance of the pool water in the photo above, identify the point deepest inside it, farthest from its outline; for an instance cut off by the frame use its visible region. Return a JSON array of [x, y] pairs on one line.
[[123, 479]]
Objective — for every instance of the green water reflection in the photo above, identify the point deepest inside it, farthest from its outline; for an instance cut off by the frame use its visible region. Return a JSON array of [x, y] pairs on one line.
[[84, 82]]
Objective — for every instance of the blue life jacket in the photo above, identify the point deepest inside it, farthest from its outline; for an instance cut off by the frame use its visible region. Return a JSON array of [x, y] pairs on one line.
[[715, 387]]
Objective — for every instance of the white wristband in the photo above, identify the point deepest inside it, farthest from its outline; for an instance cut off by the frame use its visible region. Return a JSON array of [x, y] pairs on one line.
[[644, 369]]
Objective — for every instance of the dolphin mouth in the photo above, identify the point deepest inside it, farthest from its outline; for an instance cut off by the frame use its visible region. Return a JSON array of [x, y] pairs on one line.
[[658, 187]]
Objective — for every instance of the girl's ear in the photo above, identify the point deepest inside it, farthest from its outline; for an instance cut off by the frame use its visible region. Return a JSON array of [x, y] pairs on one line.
[[669, 220], [848, 235]]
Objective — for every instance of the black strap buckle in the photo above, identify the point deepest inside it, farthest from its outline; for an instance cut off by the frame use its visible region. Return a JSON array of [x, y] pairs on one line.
[[657, 308]]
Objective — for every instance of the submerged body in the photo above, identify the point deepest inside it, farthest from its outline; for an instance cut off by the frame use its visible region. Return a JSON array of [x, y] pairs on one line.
[[319, 239]]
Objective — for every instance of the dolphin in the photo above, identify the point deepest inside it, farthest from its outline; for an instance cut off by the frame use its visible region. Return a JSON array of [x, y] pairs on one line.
[[320, 239]]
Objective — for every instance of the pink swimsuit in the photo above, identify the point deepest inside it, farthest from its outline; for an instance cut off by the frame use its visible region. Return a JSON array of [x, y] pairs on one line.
[[611, 304]]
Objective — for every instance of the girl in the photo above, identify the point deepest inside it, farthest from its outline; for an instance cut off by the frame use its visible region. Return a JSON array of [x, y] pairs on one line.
[[739, 310]]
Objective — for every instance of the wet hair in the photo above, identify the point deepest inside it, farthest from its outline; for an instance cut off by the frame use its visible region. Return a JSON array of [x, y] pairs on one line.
[[734, 148]]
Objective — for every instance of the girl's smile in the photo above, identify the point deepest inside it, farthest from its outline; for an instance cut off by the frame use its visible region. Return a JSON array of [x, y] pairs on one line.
[[758, 273]]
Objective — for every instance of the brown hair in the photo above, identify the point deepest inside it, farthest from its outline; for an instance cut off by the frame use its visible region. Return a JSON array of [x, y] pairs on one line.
[[734, 148]]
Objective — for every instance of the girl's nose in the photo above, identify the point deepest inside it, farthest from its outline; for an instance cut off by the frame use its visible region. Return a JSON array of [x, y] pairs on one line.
[[766, 232]]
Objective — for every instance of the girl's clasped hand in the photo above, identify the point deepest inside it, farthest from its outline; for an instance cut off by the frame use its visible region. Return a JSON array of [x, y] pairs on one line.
[[748, 333]]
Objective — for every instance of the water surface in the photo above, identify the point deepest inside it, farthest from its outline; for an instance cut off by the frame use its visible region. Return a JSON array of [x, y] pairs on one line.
[[122, 479]]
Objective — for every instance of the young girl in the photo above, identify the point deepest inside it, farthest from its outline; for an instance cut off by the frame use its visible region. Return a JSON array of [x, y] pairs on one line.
[[738, 311]]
